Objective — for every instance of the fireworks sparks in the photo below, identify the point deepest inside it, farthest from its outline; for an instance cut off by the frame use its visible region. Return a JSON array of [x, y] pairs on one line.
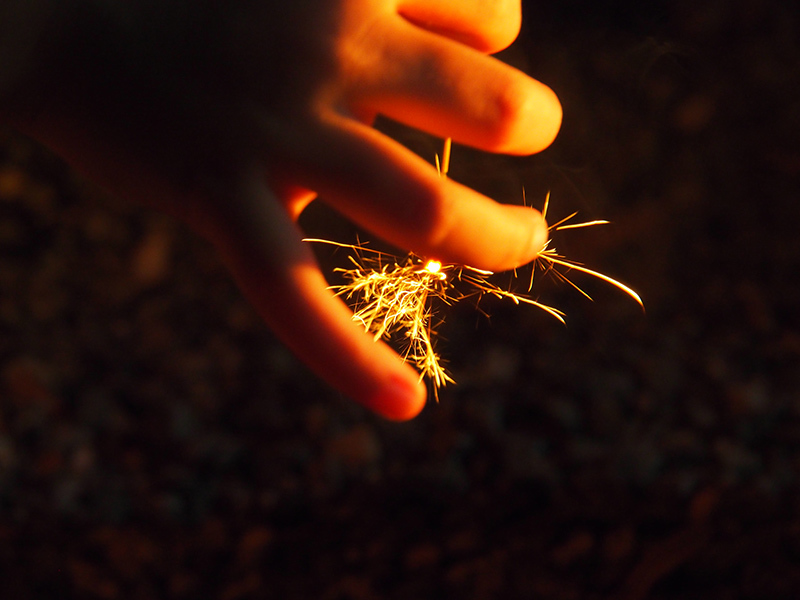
[[401, 299], [549, 259]]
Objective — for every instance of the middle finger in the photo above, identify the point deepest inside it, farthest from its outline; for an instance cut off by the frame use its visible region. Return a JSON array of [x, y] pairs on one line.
[[429, 82]]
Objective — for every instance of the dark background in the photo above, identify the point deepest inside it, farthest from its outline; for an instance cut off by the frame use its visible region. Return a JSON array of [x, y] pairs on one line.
[[157, 442]]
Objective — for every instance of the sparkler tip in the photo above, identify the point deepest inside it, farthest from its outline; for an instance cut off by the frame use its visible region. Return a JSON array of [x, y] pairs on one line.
[[433, 266]]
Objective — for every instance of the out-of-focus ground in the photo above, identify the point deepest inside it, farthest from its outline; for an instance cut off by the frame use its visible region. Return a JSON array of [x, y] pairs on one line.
[[157, 442]]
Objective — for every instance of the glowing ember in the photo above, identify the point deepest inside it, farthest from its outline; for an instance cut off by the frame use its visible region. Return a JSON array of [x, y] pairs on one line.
[[433, 267]]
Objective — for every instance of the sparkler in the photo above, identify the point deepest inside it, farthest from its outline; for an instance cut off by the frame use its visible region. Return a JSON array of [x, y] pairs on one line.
[[399, 299]]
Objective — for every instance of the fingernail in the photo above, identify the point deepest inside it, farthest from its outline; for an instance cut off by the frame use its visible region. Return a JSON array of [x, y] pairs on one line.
[[540, 234]]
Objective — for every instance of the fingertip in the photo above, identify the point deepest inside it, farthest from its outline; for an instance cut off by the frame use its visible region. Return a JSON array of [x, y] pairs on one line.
[[536, 238], [504, 28], [525, 237], [401, 398], [531, 116], [550, 117], [540, 234]]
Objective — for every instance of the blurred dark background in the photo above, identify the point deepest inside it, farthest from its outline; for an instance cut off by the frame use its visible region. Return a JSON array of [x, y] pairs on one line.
[[157, 442]]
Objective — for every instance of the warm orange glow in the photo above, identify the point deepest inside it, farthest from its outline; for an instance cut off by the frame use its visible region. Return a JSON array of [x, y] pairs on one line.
[[433, 267]]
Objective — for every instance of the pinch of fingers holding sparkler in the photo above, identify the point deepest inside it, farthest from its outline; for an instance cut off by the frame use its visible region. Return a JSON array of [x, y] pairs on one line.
[[233, 116]]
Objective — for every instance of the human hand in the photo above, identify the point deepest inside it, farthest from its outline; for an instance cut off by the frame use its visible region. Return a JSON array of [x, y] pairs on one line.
[[234, 117]]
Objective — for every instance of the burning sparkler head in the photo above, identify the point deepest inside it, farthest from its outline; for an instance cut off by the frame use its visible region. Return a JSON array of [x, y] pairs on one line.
[[434, 267]]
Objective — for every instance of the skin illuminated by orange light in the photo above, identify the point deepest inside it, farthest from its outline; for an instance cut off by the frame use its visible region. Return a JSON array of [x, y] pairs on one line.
[[233, 116]]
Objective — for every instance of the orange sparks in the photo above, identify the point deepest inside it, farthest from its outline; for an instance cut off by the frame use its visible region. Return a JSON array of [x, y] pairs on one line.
[[400, 299]]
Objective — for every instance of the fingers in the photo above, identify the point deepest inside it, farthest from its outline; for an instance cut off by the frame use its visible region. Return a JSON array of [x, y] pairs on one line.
[[278, 274], [451, 90], [486, 25], [398, 196]]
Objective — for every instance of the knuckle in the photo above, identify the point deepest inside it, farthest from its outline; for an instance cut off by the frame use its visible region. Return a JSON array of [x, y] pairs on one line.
[[525, 120], [509, 108]]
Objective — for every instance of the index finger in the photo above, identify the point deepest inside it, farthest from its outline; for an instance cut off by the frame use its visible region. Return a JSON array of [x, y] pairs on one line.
[[387, 189]]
